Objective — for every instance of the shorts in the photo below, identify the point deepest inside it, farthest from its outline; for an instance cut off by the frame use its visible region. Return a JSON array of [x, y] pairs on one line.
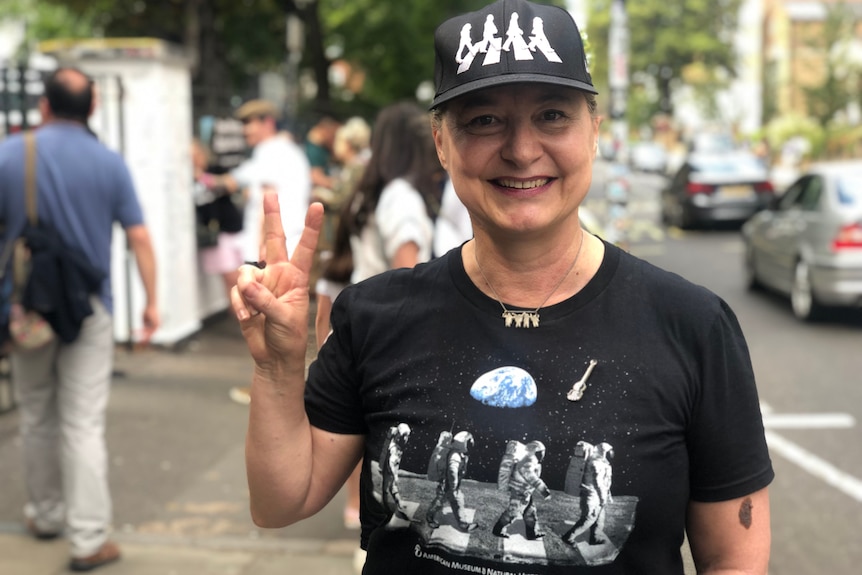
[[224, 258]]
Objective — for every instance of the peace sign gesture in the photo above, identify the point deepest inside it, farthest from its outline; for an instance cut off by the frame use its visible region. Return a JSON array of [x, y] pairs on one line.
[[271, 301]]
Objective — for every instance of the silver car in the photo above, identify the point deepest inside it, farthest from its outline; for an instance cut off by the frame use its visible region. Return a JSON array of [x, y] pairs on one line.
[[809, 245]]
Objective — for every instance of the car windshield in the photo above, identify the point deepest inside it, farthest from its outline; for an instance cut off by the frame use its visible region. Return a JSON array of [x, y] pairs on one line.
[[726, 164], [849, 188]]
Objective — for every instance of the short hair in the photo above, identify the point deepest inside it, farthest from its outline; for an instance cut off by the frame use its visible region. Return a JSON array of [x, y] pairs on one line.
[[66, 98], [355, 133]]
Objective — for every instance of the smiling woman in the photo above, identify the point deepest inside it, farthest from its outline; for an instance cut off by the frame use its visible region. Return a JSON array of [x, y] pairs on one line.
[[610, 406]]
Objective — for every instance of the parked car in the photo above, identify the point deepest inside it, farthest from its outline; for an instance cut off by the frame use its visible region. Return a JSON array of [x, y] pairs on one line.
[[809, 246], [711, 188], [648, 157]]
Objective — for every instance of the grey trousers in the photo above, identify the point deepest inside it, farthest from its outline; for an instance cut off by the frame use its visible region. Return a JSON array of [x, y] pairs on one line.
[[62, 393]]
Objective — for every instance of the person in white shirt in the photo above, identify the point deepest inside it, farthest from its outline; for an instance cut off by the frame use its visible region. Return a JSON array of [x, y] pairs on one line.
[[390, 214], [277, 164]]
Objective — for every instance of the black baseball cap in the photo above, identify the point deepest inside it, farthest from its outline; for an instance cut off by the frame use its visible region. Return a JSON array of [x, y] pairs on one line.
[[508, 42]]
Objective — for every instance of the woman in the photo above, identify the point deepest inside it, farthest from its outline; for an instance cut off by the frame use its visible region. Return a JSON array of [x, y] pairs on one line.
[[389, 215], [612, 404], [225, 257]]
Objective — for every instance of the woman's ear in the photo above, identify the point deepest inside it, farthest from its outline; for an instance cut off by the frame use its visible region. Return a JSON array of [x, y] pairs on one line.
[[438, 144]]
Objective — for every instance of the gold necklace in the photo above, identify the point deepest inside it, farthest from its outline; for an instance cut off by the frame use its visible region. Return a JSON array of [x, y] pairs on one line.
[[527, 319]]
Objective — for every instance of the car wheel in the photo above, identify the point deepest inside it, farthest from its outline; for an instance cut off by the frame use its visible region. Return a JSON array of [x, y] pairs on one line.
[[751, 281], [802, 300]]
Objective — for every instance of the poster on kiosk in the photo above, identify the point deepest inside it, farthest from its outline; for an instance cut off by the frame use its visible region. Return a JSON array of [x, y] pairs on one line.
[[144, 112]]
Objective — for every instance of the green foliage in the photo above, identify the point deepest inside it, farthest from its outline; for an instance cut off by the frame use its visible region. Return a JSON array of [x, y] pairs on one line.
[[666, 37], [841, 76], [392, 41], [45, 20], [779, 130]]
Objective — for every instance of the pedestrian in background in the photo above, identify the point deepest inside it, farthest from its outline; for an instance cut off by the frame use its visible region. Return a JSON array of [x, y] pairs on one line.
[[83, 188], [225, 256], [534, 330], [277, 164], [318, 146], [351, 152], [390, 213]]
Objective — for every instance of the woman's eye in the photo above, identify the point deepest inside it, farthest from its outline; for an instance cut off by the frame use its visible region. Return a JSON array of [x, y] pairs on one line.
[[481, 121], [552, 115]]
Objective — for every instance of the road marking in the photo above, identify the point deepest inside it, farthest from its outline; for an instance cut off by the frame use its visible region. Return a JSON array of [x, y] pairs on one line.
[[816, 466], [809, 421], [809, 462]]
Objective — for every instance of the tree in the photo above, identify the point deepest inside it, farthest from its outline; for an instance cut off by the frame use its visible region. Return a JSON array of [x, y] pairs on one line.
[[231, 42], [832, 44], [667, 38], [390, 40]]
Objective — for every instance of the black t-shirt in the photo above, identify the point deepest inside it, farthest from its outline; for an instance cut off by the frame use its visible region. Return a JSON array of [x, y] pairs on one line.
[[670, 414]]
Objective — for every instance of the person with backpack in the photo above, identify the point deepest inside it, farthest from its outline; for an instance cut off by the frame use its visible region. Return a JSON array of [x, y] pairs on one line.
[[63, 388]]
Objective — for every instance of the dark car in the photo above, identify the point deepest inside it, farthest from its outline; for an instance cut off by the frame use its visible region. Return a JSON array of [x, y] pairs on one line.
[[709, 188], [810, 245]]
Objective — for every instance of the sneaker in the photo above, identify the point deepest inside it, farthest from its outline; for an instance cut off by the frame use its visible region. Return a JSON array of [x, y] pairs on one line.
[[107, 553], [38, 533], [241, 395]]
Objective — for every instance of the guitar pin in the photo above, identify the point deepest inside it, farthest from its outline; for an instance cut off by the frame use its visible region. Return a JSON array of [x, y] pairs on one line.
[[577, 391]]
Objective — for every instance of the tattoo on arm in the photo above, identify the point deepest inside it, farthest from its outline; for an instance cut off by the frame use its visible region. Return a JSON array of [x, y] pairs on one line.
[[745, 512]]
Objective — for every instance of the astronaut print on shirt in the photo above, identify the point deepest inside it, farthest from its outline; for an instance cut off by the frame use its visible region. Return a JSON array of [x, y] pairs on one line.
[[520, 519], [492, 45]]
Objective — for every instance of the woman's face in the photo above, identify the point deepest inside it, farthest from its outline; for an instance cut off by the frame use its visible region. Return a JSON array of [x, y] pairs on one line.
[[520, 156]]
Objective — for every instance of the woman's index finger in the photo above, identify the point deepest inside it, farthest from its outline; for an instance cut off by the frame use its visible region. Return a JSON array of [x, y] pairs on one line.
[[273, 230]]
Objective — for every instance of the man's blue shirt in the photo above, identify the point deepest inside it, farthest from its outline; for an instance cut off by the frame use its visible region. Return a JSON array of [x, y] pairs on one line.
[[83, 188]]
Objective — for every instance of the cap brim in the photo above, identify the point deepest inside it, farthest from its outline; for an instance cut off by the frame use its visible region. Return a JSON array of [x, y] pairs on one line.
[[504, 79]]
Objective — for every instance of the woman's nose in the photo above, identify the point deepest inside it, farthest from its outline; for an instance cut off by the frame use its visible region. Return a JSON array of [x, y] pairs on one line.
[[522, 146]]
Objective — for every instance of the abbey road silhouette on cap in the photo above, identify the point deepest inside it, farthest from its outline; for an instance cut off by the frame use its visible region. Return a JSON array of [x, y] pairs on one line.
[[507, 42]]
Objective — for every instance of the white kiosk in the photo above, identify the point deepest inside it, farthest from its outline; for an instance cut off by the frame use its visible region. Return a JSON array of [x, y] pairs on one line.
[[144, 111]]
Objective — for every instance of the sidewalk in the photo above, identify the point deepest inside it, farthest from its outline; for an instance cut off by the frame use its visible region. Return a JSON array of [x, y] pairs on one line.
[[177, 475]]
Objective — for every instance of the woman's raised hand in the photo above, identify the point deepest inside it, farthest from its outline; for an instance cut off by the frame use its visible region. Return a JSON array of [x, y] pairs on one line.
[[271, 300]]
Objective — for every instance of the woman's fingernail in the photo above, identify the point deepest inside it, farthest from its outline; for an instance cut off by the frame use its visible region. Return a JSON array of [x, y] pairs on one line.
[[242, 314]]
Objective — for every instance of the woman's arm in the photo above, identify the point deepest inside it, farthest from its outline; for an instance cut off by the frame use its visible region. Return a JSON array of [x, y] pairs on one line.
[[293, 468], [731, 537]]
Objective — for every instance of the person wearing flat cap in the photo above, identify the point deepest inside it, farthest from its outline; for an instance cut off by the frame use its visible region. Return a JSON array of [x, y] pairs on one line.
[[276, 163], [532, 331]]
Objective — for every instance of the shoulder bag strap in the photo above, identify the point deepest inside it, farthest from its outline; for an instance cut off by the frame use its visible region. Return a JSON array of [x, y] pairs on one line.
[[30, 177], [29, 196]]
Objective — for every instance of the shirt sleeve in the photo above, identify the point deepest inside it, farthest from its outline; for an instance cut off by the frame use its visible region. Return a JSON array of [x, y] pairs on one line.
[[129, 212], [332, 399], [244, 173], [726, 441], [402, 218]]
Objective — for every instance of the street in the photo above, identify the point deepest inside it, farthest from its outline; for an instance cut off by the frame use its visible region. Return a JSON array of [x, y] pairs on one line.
[[808, 379]]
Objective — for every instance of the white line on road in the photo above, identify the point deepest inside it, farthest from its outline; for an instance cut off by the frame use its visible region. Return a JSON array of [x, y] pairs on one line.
[[811, 463], [808, 421], [816, 466]]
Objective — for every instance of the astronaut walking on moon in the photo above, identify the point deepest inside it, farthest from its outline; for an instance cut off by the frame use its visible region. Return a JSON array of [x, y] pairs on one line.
[[595, 493]]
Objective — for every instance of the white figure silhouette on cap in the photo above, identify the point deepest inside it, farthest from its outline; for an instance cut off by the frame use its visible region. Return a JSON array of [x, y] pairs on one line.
[[540, 41], [491, 45]]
